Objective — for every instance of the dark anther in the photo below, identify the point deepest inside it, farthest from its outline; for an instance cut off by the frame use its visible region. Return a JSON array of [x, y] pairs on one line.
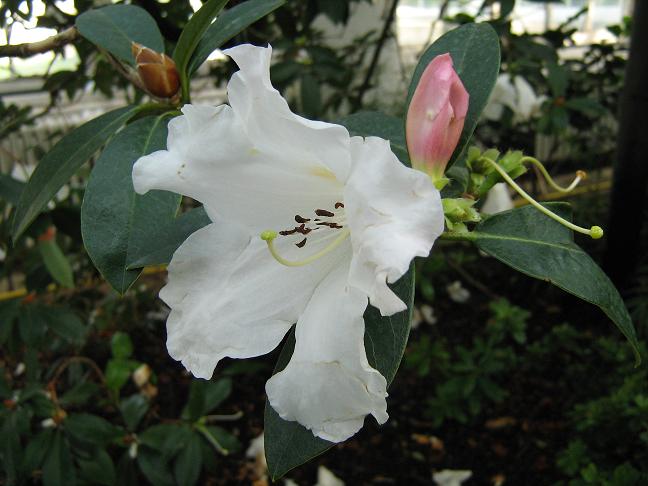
[[339, 205], [300, 220], [301, 243], [324, 212]]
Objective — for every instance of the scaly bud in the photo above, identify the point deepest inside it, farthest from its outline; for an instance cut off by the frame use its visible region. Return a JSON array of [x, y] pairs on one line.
[[157, 71], [436, 118]]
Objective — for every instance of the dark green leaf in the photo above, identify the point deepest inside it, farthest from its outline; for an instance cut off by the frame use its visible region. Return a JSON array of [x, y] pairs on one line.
[[191, 36], [10, 447], [288, 444], [133, 410], [98, 469], [32, 325], [205, 396], [62, 162], [215, 393], [476, 56], [154, 467], [36, 450], [311, 96], [79, 394], [57, 265], [66, 324], [168, 238], [115, 27], [58, 469], [376, 124], [10, 189], [121, 345], [538, 246], [92, 429], [557, 79], [587, 106], [228, 24], [166, 438], [188, 464], [115, 221]]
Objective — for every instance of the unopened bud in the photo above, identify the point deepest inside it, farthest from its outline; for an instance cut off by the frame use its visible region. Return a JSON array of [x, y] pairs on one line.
[[435, 118], [157, 71], [142, 375]]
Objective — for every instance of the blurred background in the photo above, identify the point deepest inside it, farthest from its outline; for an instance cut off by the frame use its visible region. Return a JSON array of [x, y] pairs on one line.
[[506, 380]]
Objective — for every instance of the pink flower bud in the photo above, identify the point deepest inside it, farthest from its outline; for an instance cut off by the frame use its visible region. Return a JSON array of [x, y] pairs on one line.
[[436, 117]]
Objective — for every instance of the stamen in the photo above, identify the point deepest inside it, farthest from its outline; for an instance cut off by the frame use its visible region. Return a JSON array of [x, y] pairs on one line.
[[324, 212], [595, 232], [301, 243], [269, 236], [339, 205], [580, 175], [300, 219]]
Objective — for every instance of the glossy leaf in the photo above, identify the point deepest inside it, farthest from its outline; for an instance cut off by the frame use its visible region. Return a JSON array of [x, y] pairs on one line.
[[133, 410], [10, 189], [228, 24], [191, 36], [168, 237], [61, 163], [188, 464], [115, 221], [288, 444], [538, 246], [56, 263], [92, 429], [116, 27], [97, 469], [374, 123], [66, 324], [58, 469], [475, 53], [121, 345]]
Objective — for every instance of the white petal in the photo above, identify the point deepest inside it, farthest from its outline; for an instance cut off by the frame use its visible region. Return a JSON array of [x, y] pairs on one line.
[[211, 159], [266, 116], [328, 385], [229, 297], [394, 214]]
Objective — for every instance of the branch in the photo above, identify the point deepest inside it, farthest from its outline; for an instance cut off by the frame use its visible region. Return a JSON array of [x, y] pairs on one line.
[[357, 102], [29, 49]]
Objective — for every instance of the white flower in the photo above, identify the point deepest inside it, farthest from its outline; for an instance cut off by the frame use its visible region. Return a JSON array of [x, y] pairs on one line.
[[344, 205], [498, 199], [450, 477], [517, 94], [325, 477], [457, 292]]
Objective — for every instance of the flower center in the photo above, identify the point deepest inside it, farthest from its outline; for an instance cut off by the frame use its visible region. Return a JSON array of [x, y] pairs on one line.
[[329, 225]]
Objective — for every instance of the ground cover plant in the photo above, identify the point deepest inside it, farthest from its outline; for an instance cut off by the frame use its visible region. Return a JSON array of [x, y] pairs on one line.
[[291, 242]]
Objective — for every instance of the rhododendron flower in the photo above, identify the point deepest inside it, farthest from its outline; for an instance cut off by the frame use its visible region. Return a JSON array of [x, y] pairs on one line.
[[346, 218], [436, 117]]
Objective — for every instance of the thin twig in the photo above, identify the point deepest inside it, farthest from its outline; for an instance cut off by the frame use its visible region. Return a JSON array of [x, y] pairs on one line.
[[472, 280], [29, 49], [357, 102]]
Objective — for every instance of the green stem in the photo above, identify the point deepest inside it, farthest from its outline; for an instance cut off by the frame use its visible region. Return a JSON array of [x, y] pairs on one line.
[[580, 175], [456, 236], [595, 232]]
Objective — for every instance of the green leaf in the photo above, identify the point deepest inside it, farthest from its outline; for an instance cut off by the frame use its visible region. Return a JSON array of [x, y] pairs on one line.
[[92, 429], [377, 124], [58, 469], [10, 189], [205, 396], [475, 52], [115, 221], [57, 265], [166, 438], [557, 79], [36, 450], [311, 96], [133, 410], [228, 24], [60, 163], [540, 247], [188, 464], [118, 371], [66, 324], [586, 106], [154, 467], [191, 36], [32, 325], [288, 444], [168, 238], [121, 345], [115, 27], [98, 469]]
